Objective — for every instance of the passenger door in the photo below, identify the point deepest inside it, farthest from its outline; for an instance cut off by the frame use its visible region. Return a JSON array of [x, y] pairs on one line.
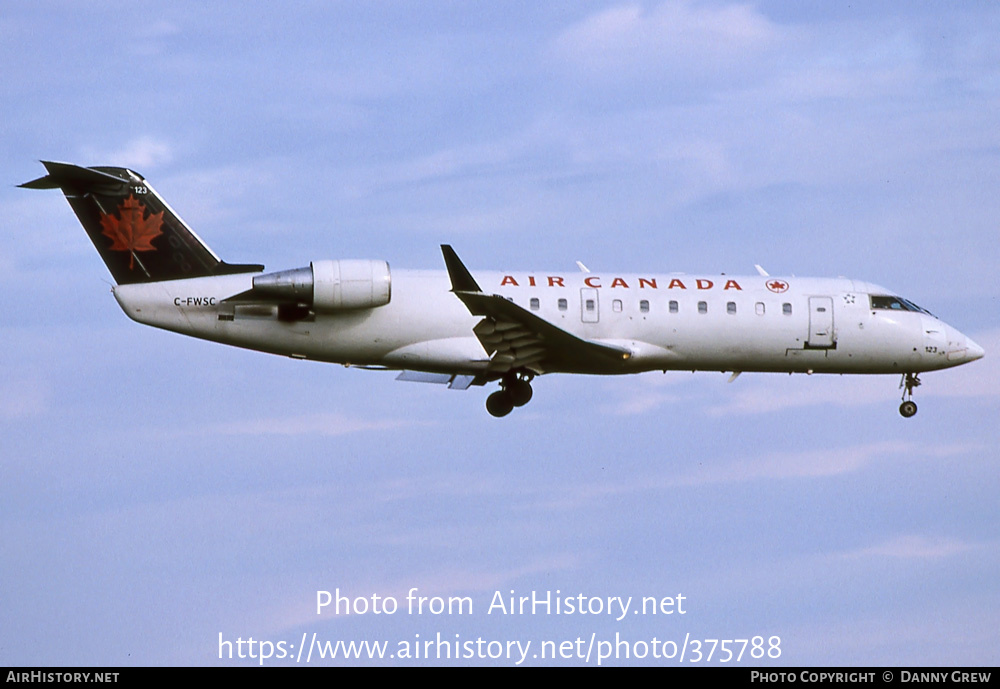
[[821, 333]]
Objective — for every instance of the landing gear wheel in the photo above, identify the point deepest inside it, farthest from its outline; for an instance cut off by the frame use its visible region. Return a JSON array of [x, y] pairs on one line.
[[520, 392], [499, 403], [908, 408]]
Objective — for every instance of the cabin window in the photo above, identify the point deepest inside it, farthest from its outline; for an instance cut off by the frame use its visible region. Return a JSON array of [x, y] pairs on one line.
[[673, 307], [759, 308], [731, 307], [534, 303], [644, 306], [616, 306], [702, 307], [563, 305], [589, 305], [786, 309]]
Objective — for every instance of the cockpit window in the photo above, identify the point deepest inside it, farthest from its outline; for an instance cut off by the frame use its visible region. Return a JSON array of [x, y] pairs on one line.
[[895, 304]]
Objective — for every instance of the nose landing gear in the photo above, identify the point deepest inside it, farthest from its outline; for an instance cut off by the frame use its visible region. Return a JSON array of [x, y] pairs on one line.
[[515, 391], [908, 408]]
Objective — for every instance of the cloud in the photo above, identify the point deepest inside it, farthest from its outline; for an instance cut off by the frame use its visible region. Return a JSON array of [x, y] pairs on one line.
[[643, 402], [331, 424], [769, 393], [672, 35], [141, 153], [811, 464], [321, 425], [913, 547], [24, 398]]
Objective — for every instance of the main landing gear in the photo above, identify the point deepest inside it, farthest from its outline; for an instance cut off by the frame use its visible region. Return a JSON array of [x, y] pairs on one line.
[[515, 391], [908, 408]]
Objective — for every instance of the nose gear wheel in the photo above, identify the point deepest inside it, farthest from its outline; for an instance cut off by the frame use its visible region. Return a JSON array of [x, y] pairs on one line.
[[908, 408]]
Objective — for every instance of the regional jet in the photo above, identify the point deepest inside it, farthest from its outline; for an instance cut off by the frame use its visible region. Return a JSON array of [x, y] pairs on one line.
[[460, 328]]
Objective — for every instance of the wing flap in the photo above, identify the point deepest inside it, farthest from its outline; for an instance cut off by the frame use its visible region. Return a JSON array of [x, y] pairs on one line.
[[453, 381], [516, 338]]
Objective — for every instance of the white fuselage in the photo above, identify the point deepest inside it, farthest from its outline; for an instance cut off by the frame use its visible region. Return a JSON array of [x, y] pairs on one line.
[[667, 322]]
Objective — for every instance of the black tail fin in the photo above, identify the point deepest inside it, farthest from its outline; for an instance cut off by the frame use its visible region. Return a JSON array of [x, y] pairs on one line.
[[135, 231]]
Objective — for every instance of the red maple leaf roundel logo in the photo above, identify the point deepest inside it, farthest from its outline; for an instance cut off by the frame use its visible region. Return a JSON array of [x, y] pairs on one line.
[[131, 230], [777, 286]]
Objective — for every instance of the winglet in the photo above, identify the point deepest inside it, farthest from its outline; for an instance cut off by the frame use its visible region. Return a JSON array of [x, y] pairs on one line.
[[461, 278]]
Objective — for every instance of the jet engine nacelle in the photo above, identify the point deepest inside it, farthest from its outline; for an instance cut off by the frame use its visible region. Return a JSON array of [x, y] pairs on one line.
[[327, 286]]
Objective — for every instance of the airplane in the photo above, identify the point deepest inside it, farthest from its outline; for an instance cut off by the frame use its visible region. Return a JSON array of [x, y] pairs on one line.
[[462, 329]]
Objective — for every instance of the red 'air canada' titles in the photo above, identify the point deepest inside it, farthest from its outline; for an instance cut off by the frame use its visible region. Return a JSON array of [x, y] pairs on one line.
[[637, 283]]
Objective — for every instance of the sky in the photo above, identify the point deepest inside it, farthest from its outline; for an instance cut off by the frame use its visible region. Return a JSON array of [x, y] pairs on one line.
[[162, 497]]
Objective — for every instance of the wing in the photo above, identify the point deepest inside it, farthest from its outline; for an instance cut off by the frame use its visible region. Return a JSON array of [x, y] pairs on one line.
[[515, 338]]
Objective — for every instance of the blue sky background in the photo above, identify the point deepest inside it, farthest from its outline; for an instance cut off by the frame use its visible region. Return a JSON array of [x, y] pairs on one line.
[[156, 491]]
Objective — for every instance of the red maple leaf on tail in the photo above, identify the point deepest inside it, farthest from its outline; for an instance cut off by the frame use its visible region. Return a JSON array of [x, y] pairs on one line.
[[131, 231]]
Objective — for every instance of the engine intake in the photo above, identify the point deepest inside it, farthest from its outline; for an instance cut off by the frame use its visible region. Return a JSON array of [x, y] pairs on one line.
[[328, 286]]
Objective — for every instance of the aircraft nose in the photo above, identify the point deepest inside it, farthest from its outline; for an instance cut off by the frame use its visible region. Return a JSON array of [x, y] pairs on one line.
[[972, 350], [961, 348]]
